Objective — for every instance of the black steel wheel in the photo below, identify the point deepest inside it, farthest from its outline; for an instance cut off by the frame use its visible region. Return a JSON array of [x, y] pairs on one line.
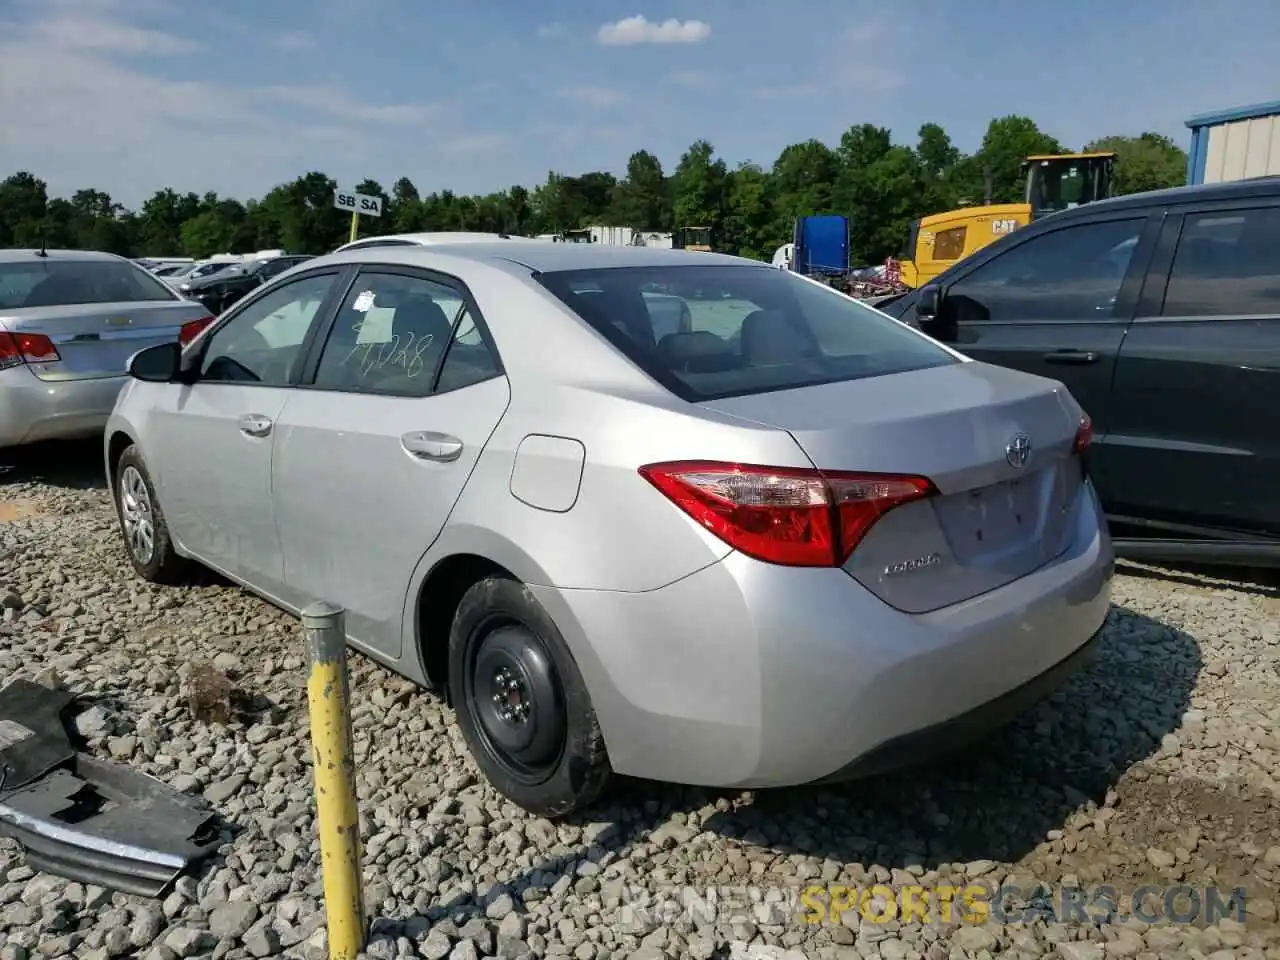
[[521, 702], [513, 693]]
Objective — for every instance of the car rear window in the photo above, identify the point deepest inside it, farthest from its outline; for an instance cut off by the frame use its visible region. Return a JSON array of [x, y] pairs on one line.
[[707, 332], [51, 282]]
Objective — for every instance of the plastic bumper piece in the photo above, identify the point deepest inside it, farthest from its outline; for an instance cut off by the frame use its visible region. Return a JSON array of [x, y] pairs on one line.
[[87, 819]]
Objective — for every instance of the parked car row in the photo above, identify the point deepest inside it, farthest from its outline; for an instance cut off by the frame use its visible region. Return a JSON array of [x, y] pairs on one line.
[[689, 517], [222, 288]]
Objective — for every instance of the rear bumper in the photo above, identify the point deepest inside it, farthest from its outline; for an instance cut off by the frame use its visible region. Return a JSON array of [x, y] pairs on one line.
[[929, 743], [32, 409], [752, 675]]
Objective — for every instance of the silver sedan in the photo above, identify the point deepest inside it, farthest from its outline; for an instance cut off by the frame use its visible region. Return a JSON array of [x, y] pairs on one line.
[[69, 322], [767, 537]]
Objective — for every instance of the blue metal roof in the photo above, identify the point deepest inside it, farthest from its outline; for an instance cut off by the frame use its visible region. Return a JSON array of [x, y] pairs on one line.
[[1230, 116]]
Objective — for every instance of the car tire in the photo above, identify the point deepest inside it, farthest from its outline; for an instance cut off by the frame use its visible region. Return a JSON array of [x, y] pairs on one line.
[[142, 524], [521, 703]]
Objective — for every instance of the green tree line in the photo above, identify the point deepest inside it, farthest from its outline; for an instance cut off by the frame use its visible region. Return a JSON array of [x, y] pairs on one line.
[[881, 186]]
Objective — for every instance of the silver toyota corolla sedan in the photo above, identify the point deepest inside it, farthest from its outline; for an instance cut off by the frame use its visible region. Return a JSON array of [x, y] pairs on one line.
[[69, 322], [785, 539]]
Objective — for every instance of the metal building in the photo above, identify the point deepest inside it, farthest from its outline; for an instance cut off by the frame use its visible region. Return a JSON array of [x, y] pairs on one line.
[[1235, 144]]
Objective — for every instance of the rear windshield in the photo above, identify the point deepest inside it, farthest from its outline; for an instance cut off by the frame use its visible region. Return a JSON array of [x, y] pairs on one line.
[[707, 332], [51, 282]]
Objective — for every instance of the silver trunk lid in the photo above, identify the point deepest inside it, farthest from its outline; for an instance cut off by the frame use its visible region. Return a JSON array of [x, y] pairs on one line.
[[97, 339], [992, 521]]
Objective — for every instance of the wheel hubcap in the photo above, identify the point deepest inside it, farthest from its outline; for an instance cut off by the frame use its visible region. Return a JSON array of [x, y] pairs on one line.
[[515, 697], [136, 515]]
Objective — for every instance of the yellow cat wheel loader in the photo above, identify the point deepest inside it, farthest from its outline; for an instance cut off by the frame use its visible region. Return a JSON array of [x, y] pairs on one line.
[[1054, 182]]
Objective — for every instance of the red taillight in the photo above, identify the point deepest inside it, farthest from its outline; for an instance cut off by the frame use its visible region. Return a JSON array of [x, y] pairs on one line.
[[16, 348], [1084, 435], [192, 329], [784, 515]]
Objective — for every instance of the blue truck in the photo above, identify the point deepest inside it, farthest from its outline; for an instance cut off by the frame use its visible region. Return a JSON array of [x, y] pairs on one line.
[[821, 246]]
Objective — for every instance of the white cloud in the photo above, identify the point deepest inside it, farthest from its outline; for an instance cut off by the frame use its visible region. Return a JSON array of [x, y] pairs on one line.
[[550, 30], [593, 96], [73, 32], [341, 105], [796, 91], [694, 79], [854, 61], [637, 29], [80, 113], [472, 143], [292, 41]]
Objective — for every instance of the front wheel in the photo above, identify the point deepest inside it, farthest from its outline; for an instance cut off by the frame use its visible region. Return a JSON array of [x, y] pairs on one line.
[[142, 524], [521, 703]]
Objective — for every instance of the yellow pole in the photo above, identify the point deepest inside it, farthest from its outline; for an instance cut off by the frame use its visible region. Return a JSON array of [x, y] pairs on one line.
[[338, 822], [355, 226]]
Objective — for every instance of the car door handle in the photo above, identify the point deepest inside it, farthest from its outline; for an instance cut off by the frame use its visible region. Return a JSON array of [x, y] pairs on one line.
[[255, 425], [1075, 357], [429, 445]]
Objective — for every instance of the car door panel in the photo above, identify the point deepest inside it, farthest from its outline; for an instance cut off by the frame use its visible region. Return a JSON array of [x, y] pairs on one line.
[[219, 431], [217, 477], [1058, 306], [358, 503], [365, 480], [1197, 384]]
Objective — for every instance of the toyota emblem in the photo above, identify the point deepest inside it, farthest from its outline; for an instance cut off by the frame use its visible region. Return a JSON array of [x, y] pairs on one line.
[[1018, 450]]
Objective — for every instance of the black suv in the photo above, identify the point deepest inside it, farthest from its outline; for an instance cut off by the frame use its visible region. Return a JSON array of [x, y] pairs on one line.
[[1161, 313], [220, 290]]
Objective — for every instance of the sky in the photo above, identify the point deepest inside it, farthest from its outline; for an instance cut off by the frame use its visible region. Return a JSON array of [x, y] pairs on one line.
[[129, 96]]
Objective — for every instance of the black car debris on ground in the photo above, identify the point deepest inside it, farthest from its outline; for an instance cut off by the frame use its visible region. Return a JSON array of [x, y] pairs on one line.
[[220, 290], [88, 819], [1160, 312]]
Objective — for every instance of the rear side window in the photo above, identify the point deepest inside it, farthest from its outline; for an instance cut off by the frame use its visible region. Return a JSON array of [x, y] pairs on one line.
[[1226, 264], [52, 282], [706, 332], [389, 336]]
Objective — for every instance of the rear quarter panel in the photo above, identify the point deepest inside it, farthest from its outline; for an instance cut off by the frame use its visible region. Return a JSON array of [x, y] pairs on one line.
[[620, 533]]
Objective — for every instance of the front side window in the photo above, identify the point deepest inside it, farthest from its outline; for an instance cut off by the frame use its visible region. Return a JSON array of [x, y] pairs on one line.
[[54, 282], [1226, 264], [1072, 274], [389, 336], [713, 331], [262, 344], [949, 244]]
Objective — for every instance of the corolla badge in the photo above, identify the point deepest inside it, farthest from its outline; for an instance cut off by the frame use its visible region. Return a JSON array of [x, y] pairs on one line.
[[1018, 450], [911, 566], [119, 321]]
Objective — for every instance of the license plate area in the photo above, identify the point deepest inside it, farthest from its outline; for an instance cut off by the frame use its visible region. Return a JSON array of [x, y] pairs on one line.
[[995, 518]]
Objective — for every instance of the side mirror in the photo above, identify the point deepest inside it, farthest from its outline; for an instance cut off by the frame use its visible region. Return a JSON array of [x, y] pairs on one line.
[[932, 316], [156, 364], [928, 302]]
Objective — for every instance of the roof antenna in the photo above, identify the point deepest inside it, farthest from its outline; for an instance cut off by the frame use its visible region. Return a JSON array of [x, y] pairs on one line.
[[43, 251]]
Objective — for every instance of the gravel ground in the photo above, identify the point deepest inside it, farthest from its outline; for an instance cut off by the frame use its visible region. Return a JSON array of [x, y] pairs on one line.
[[1159, 765]]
